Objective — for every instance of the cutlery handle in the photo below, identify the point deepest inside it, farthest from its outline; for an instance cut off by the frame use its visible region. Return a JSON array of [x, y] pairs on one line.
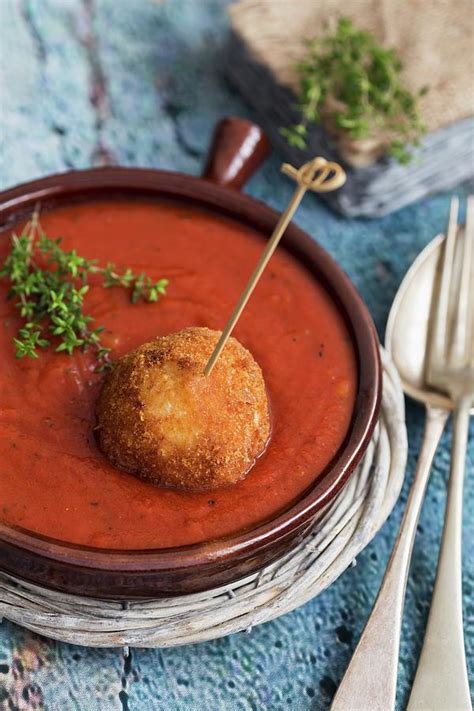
[[441, 680], [370, 681]]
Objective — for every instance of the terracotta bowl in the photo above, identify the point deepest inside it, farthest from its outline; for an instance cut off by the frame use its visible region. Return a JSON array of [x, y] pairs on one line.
[[238, 148]]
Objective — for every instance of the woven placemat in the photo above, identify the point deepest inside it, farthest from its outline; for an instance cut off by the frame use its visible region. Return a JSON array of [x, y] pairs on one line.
[[346, 528]]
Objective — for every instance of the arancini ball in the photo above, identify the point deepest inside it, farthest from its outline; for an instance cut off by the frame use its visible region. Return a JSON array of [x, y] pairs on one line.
[[159, 417]]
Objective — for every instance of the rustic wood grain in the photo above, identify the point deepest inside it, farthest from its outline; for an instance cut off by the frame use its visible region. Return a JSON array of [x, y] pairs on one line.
[[161, 91], [434, 39]]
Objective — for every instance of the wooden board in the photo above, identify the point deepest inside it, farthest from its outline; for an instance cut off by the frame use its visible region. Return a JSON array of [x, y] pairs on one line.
[[268, 39], [433, 38]]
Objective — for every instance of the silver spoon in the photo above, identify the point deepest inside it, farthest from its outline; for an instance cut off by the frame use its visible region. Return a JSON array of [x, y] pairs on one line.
[[370, 681]]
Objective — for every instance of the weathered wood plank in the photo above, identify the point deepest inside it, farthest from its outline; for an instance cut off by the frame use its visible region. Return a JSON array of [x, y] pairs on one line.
[[37, 673], [161, 66], [48, 121]]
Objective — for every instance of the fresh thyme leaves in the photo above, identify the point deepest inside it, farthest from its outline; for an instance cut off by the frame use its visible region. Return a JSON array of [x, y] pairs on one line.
[[350, 79], [48, 285], [142, 287]]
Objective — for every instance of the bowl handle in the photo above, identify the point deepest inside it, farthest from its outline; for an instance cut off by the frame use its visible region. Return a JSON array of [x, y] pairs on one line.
[[238, 147]]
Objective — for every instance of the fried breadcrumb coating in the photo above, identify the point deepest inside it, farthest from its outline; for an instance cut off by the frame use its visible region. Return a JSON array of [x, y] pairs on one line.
[[160, 418]]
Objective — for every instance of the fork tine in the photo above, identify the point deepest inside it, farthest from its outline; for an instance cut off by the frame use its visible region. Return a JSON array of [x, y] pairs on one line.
[[462, 345], [463, 336], [470, 236], [469, 232], [440, 317]]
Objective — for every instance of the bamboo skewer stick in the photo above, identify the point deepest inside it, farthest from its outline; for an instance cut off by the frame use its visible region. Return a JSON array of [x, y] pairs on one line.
[[318, 175]]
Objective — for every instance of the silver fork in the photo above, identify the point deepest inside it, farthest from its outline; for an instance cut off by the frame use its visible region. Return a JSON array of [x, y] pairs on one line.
[[441, 681]]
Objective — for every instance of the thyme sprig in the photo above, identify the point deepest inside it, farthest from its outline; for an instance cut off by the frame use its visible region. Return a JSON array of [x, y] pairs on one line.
[[48, 285], [357, 82]]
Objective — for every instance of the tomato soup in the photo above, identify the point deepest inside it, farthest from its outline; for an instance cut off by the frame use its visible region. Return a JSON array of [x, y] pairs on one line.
[[53, 479]]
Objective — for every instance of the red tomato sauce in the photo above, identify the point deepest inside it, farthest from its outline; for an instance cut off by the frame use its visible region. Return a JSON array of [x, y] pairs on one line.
[[53, 479]]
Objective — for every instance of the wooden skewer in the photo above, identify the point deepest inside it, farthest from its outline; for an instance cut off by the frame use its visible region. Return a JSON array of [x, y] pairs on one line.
[[318, 175]]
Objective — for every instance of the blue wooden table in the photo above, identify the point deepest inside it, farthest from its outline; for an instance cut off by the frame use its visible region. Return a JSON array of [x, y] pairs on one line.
[[88, 82]]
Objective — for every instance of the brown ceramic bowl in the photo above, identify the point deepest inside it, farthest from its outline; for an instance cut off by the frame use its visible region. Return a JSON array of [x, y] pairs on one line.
[[238, 148]]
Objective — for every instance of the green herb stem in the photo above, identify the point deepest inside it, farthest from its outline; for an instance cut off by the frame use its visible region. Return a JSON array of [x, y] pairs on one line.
[[350, 70], [48, 286]]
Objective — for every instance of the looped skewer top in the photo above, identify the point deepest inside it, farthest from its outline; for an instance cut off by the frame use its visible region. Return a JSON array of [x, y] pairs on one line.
[[318, 175]]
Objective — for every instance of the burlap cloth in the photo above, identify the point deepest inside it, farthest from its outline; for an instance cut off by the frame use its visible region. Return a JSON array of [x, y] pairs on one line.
[[434, 39]]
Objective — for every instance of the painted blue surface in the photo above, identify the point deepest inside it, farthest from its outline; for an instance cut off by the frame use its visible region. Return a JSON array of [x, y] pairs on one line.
[[84, 82]]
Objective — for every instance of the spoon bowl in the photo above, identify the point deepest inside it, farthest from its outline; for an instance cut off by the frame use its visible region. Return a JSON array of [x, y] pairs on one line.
[[409, 340], [407, 334]]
